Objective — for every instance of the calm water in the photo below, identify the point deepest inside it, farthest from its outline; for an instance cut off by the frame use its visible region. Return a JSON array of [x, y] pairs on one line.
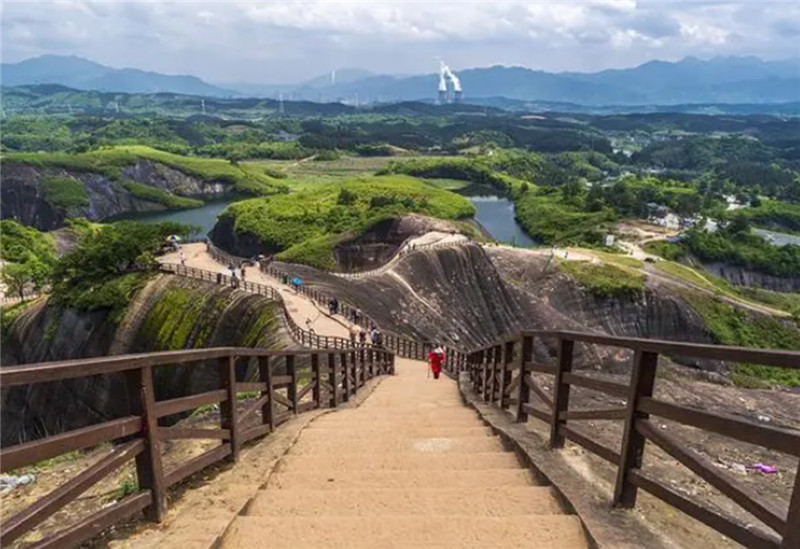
[[496, 214], [204, 217], [779, 239]]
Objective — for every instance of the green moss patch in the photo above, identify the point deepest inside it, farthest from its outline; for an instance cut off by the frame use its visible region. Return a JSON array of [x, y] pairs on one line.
[[160, 196], [605, 280], [64, 192], [731, 325]]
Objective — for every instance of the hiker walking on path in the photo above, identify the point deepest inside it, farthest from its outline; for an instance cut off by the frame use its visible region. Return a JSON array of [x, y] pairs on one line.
[[436, 358], [243, 271], [355, 315], [355, 332], [377, 337], [333, 306], [362, 338]]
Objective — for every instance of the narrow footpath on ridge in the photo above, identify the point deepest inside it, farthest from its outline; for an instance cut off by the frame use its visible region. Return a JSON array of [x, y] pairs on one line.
[[299, 306], [412, 466]]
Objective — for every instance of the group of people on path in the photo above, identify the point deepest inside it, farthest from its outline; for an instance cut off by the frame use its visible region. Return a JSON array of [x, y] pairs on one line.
[[358, 336]]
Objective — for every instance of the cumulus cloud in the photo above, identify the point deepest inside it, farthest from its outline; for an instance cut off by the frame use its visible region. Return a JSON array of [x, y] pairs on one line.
[[290, 41]]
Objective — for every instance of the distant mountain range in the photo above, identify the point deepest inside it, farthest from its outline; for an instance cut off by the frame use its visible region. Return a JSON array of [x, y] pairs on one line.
[[718, 80], [82, 74]]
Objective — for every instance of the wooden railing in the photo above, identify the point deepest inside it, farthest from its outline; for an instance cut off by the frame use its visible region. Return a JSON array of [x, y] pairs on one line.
[[303, 337], [499, 370], [288, 383]]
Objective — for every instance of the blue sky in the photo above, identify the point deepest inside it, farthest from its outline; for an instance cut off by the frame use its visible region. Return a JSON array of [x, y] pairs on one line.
[[278, 42]]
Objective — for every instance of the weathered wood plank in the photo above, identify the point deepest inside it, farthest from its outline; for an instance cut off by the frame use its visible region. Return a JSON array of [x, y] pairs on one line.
[[47, 506], [77, 439], [738, 532], [184, 404]]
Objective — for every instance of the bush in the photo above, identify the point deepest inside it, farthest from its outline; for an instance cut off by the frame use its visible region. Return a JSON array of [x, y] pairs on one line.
[[160, 196], [605, 280], [64, 192], [283, 221]]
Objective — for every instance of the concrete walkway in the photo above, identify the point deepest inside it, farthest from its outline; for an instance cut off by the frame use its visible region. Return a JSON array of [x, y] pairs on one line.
[[411, 467]]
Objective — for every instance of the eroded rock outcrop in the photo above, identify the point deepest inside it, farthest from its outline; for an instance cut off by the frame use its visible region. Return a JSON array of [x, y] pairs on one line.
[[170, 313], [22, 197]]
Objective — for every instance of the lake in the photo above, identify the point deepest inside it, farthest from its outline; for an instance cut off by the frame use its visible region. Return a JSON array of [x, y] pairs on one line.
[[496, 215], [204, 217]]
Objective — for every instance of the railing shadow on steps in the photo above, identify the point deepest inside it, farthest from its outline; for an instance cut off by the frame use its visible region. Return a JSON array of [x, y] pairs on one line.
[[289, 383], [497, 371]]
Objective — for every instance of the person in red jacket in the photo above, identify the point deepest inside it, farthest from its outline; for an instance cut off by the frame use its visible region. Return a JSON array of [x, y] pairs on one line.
[[436, 359]]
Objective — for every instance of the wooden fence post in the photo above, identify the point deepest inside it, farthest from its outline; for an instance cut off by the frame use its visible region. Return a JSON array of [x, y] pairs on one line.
[[265, 375], [291, 369], [496, 364], [505, 373], [333, 379], [149, 469], [791, 537], [227, 409], [316, 379], [525, 356], [345, 378], [560, 391], [371, 356], [643, 378], [488, 362]]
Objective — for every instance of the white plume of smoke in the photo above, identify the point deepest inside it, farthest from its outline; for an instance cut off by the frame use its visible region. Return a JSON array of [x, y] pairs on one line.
[[442, 77], [453, 78]]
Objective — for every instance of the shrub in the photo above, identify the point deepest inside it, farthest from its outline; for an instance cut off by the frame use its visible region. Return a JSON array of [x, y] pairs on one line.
[[64, 192], [605, 280]]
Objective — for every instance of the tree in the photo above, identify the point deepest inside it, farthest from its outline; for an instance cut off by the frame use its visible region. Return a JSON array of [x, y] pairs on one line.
[[17, 277]]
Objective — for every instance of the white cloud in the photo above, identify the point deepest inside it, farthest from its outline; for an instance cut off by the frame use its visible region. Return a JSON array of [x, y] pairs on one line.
[[284, 41]]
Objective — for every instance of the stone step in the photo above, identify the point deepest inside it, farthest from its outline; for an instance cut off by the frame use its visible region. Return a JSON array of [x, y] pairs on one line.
[[317, 433], [353, 479], [399, 461], [394, 413], [399, 532], [485, 502], [360, 422], [390, 442]]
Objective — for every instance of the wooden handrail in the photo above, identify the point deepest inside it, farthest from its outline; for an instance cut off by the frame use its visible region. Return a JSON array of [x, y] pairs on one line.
[[482, 368], [142, 435]]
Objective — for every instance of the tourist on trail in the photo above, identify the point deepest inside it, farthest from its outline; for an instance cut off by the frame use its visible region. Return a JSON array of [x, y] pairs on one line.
[[377, 337], [354, 333], [182, 256], [355, 315], [436, 359], [234, 280], [243, 271], [296, 282], [362, 337]]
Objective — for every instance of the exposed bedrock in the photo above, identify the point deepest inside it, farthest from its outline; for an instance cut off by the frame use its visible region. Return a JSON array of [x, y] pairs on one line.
[[22, 197], [170, 313], [468, 296], [739, 276]]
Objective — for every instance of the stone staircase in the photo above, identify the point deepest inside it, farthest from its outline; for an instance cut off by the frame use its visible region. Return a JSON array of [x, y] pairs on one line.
[[411, 467]]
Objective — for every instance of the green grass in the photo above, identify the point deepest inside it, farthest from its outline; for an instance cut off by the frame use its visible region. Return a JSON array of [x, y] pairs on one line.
[[618, 259], [686, 274], [789, 302], [308, 218], [244, 177], [667, 250], [447, 184], [64, 192], [605, 280], [160, 196], [730, 325]]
